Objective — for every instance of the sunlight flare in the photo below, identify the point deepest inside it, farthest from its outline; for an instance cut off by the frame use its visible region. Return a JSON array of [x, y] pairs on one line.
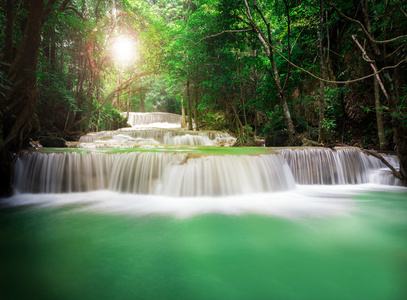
[[123, 50]]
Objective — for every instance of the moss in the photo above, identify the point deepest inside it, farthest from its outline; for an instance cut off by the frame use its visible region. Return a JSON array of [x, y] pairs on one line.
[[193, 151]]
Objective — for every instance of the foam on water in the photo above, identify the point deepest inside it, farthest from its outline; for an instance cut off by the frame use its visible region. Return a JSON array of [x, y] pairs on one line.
[[303, 202]]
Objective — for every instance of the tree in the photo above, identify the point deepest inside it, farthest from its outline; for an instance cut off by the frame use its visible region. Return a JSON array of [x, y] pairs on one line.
[[17, 118], [392, 38], [266, 40]]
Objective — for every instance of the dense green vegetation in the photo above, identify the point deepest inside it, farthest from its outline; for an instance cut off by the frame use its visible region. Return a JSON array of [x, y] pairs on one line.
[[285, 70]]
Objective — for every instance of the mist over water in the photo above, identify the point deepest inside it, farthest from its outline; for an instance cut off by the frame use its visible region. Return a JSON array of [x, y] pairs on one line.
[[303, 202]]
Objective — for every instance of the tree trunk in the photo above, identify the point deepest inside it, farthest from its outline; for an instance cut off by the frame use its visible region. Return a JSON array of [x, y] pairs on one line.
[[19, 108], [274, 70], [183, 119], [196, 103], [379, 116], [283, 101], [98, 101], [128, 105], [53, 57], [142, 105], [189, 107], [246, 131], [321, 129], [8, 50]]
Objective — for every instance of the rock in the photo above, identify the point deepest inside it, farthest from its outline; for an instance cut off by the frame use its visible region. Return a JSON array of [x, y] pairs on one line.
[[312, 134], [52, 141], [278, 139]]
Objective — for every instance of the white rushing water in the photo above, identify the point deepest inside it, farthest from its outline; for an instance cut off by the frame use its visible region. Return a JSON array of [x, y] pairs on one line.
[[155, 128], [334, 166], [303, 202], [154, 119], [184, 173], [171, 174]]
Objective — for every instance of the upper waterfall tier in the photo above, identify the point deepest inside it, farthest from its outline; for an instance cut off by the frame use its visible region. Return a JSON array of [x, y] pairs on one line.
[[153, 128], [137, 119], [129, 137]]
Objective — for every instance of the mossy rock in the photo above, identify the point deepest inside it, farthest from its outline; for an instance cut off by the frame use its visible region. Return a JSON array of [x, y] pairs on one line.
[[52, 141]]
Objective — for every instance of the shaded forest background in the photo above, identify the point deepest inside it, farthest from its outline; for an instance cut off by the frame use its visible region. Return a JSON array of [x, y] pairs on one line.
[[290, 71]]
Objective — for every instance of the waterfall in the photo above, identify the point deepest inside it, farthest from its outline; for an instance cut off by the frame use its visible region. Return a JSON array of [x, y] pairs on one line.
[[190, 173], [62, 172], [326, 166], [169, 174], [148, 164], [154, 128], [158, 136], [137, 118]]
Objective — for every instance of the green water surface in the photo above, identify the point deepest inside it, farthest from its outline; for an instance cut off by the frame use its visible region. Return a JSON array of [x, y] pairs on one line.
[[60, 253]]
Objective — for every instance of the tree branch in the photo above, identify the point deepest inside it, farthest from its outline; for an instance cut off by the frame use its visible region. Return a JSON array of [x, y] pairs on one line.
[[400, 8], [214, 35], [63, 5], [372, 65], [268, 44], [363, 27], [340, 82], [76, 11]]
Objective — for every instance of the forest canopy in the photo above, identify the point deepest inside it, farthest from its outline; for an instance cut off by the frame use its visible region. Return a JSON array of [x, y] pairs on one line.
[[289, 71]]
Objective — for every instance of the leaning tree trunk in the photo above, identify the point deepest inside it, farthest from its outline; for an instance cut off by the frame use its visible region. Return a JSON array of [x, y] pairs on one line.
[[196, 104], [379, 116], [18, 109], [183, 119], [189, 107], [283, 103], [142, 106], [321, 102]]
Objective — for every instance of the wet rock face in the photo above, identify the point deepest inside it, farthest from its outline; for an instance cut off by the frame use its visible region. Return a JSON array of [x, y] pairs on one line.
[[52, 141]]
